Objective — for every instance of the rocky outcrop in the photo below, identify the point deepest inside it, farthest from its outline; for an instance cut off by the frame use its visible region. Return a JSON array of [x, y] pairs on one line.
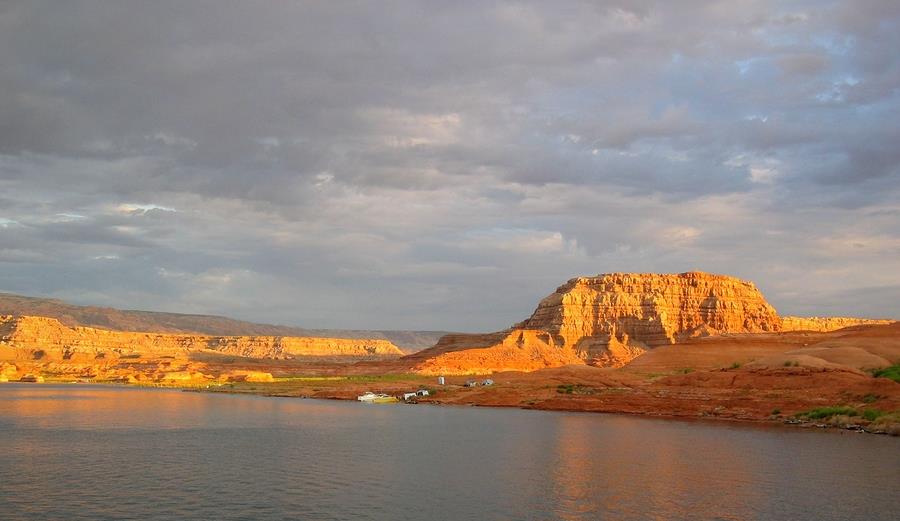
[[38, 338], [608, 320], [653, 309], [825, 324], [247, 376], [179, 323]]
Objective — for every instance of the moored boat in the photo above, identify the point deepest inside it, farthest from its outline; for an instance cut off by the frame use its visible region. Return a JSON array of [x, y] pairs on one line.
[[371, 397]]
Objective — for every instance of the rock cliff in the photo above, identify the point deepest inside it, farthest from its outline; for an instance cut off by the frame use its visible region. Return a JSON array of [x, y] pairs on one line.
[[179, 323], [40, 337], [651, 308], [607, 320], [825, 324]]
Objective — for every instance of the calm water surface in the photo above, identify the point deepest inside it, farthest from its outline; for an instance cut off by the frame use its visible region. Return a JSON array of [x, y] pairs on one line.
[[83, 452]]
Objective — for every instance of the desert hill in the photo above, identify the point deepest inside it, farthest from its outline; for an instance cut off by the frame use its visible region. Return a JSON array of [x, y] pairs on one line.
[[158, 322], [47, 339], [611, 319]]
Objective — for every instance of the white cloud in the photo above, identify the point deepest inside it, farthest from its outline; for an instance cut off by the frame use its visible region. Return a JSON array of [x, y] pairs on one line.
[[140, 209]]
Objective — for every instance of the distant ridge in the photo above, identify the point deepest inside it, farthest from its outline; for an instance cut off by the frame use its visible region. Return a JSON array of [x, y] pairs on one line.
[[161, 322]]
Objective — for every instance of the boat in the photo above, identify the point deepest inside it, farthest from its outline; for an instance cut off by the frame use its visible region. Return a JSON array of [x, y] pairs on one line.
[[370, 397]]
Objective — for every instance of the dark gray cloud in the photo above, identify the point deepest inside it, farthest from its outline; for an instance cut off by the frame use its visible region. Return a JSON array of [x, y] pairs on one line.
[[444, 165]]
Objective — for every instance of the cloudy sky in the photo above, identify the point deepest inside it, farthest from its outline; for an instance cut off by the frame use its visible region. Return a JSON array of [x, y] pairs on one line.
[[443, 165]]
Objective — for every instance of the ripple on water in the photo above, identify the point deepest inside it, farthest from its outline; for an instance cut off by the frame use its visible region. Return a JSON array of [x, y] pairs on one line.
[[121, 453]]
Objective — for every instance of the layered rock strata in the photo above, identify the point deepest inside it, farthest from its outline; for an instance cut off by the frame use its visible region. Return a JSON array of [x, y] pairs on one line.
[[825, 324], [40, 337], [654, 309], [608, 320]]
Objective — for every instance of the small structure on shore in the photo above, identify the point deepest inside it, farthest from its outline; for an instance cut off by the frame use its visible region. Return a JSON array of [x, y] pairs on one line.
[[411, 397], [440, 380], [31, 378]]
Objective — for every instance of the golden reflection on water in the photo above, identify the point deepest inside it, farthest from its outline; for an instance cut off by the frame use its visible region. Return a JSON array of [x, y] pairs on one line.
[[662, 475], [95, 407], [178, 454]]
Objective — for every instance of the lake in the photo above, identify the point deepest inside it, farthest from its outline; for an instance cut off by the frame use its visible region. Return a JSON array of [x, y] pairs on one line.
[[104, 452]]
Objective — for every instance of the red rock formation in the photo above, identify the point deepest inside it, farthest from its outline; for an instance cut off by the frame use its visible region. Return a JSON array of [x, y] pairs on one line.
[[40, 337], [825, 324], [651, 308], [608, 320]]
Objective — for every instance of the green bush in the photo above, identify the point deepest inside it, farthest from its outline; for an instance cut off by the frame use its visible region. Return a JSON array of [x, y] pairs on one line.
[[776, 412], [827, 412], [873, 414], [736, 365], [892, 372], [871, 398]]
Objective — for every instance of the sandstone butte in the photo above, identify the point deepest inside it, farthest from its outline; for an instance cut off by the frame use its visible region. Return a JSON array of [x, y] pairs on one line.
[[610, 319], [47, 339]]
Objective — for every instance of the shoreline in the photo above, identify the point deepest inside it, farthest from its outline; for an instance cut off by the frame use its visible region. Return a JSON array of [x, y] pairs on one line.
[[786, 422], [573, 406]]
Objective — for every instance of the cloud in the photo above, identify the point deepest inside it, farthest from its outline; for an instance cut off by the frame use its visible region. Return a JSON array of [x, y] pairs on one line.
[[443, 165]]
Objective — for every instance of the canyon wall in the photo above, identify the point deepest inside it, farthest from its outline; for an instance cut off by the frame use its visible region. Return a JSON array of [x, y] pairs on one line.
[[41, 337], [825, 324], [608, 320], [179, 323], [654, 309]]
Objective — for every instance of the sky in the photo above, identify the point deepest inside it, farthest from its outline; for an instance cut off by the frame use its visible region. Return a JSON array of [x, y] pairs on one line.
[[444, 165]]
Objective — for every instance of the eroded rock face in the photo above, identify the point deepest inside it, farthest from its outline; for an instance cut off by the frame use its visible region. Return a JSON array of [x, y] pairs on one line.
[[653, 309], [37, 338], [825, 324], [607, 321]]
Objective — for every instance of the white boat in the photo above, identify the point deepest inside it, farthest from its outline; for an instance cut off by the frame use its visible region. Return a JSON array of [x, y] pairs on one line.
[[371, 397]]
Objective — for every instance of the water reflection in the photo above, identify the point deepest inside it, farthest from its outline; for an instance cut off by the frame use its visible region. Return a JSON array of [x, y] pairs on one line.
[[81, 452]]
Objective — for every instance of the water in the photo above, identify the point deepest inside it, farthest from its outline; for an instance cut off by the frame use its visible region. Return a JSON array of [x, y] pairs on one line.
[[83, 452]]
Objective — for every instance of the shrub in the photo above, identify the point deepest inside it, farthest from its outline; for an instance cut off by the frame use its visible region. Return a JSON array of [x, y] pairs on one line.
[[827, 412], [565, 389], [871, 398], [776, 411], [892, 372], [736, 365], [888, 422], [872, 414]]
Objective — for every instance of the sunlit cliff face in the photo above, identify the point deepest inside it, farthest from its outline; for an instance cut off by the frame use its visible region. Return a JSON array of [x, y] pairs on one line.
[[445, 166]]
